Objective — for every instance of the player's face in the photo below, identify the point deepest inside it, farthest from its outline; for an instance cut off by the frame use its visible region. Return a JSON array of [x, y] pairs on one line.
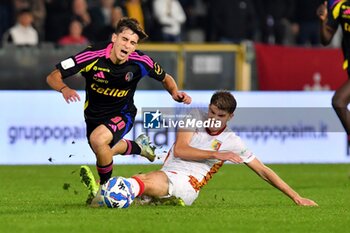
[[124, 44], [218, 115]]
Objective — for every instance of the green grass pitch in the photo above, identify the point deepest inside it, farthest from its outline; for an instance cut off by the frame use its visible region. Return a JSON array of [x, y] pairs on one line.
[[32, 199]]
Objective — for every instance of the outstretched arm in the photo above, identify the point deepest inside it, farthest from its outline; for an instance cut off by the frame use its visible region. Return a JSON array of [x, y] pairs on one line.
[[170, 85], [55, 82], [183, 150], [271, 177], [326, 32]]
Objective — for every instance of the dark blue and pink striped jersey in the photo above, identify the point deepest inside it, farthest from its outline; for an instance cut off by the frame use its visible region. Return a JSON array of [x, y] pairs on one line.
[[339, 15], [110, 87]]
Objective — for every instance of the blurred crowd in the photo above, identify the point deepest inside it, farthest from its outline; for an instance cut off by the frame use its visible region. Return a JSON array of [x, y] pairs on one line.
[[64, 22]]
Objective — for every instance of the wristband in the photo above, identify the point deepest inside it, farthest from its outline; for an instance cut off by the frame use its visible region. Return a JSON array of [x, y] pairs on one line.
[[62, 89]]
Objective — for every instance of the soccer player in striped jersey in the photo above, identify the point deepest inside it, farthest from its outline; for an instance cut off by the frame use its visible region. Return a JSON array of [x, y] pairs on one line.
[[198, 154], [338, 15], [112, 71]]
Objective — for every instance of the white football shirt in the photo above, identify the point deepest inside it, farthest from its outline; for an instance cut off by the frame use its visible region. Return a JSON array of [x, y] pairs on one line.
[[201, 171]]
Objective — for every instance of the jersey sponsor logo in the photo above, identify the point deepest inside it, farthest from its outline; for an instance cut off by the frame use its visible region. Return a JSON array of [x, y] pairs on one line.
[[100, 80], [114, 92], [68, 63], [157, 68], [96, 68], [345, 12], [345, 7], [129, 76]]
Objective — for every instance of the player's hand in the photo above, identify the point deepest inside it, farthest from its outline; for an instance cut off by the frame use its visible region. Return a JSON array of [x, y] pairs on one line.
[[228, 156], [322, 11], [301, 201], [70, 95], [182, 97]]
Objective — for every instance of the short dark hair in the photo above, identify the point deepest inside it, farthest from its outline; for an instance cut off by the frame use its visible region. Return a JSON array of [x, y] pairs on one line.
[[24, 11], [224, 100], [133, 25]]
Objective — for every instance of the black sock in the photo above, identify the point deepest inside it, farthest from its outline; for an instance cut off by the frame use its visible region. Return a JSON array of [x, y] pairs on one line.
[[105, 172], [132, 148]]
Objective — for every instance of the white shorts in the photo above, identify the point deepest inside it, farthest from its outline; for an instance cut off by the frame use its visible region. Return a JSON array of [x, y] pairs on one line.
[[179, 186]]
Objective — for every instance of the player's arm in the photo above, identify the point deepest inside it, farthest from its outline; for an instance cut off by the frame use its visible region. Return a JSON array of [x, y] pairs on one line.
[[271, 177], [69, 67], [183, 150], [55, 81], [326, 31], [171, 86]]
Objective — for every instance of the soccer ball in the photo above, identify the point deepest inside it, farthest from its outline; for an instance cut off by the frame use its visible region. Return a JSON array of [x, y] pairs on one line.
[[117, 193]]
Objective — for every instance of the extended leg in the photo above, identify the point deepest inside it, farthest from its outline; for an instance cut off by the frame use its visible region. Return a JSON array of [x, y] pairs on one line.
[[340, 102], [155, 186], [141, 146], [100, 139]]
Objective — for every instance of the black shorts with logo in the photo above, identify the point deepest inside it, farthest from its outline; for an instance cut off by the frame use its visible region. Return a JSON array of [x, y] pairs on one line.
[[119, 126]]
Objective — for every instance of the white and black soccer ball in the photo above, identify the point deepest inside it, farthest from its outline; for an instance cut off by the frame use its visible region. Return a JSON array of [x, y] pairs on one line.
[[117, 193]]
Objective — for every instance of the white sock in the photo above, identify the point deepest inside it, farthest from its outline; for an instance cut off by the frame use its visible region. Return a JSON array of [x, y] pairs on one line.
[[135, 187]]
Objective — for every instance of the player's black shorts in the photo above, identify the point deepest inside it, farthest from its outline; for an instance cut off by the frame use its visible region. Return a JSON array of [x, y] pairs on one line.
[[119, 126]]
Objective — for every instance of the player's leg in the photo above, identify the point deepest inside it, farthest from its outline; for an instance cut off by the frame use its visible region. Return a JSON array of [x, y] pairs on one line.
[[167, 188], [154, 183], [147, 187], [103, 138], [100, 139], [181, 187], [141, 146], [86, 176], [153, 189], [340, 101], [105, 141]]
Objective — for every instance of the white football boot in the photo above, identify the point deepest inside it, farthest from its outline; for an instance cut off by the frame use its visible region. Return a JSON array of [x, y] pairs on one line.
[[147, 150]]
